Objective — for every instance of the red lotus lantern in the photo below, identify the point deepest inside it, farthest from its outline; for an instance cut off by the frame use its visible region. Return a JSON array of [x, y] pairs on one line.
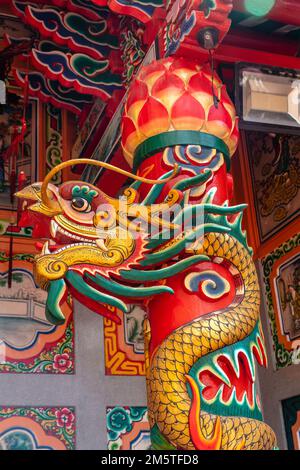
[[179, 112]]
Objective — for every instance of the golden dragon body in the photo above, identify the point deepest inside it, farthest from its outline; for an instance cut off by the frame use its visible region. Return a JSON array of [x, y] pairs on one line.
[[169, 368]]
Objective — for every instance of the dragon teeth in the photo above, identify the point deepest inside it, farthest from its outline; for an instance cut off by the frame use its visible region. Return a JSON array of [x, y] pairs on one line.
[[53, 228], [86, 244], [101, 244], [45, 250]]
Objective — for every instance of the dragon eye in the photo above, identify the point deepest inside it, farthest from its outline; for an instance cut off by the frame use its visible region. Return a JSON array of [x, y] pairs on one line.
[[80, 204]]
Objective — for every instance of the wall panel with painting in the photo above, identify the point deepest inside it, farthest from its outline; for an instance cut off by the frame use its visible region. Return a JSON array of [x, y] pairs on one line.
[[267, 175]]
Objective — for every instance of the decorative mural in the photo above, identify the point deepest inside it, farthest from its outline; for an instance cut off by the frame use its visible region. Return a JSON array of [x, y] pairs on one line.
[[131, 46], [77, 32], [50, 91], [11, 162], [79, 56], [127, 428], [29, 343], [288, 287], [88, 127], [12, 27], [53, 138], [281, 269], [15, 230], [141, 10], [173, 244], [200, 367], [42, 428], [186, 19], [274, 161], [291, 416], [124, 343], [107, 145]]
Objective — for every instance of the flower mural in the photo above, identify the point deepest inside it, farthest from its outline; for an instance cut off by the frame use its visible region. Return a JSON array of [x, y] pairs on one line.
[[41, 428], [127, 428], [65, 418], [62, 362]]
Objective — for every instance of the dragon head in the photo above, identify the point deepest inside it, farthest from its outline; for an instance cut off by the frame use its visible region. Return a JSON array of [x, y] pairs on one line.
[[89, 235], [80, 223], [109, 252]]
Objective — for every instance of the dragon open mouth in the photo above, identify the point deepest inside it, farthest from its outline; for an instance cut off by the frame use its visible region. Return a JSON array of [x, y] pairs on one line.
[[62, 239]]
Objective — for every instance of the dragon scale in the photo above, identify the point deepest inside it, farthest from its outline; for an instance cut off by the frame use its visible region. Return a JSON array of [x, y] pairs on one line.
[[167, 371]]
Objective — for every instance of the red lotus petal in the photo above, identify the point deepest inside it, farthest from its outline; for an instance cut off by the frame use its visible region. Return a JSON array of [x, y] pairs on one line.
[[136, 98], [206, 70], [234, 137], [183, 64], [219, 121], [128, 134], [199, 83], [151, 73], [187, 113], [224, 96], [201, 88], [153, 118], [168, 88]]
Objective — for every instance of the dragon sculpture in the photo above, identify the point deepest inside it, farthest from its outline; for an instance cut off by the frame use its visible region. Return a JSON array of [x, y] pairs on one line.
[[173, 243]]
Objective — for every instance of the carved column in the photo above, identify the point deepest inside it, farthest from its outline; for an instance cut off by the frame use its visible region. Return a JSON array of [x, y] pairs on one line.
[[202, 341]]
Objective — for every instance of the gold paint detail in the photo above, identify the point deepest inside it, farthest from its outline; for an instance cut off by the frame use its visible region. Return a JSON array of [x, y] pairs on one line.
[[117, 250]]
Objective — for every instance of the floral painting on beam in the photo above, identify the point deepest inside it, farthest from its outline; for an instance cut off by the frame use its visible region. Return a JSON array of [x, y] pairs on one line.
[[25, 160], [42, 428], [29, 343], [127, 428]]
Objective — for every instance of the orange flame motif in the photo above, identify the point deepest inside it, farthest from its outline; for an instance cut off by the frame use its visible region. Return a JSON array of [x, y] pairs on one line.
[[199, 440]]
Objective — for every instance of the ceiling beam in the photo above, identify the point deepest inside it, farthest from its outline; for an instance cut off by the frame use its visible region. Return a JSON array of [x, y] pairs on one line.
[[232, 54], [249, 39]]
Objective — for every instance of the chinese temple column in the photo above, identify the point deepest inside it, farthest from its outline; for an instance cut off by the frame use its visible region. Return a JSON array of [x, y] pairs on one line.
[[203, 340]]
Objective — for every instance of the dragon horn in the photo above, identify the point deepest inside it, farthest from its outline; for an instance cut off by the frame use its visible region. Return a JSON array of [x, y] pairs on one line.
[[89, 161]]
